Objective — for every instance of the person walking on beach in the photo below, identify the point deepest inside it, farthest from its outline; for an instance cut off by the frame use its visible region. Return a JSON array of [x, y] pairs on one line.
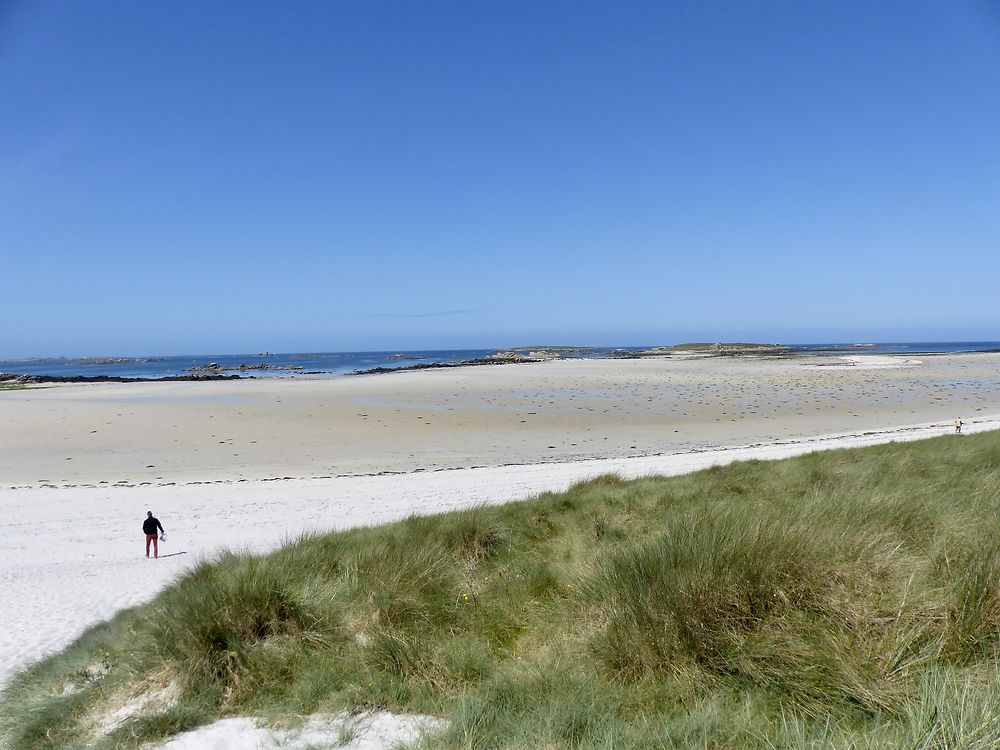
[[149, 527], [958, 426]]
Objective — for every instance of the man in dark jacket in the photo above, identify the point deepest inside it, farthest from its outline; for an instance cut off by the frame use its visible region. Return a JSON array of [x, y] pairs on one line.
[[149, 527]]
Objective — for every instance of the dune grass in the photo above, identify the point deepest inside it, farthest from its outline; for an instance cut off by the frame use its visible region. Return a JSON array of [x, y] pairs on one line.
[[845, 599]]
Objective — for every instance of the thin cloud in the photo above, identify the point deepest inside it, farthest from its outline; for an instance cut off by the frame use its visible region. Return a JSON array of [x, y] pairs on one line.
[[434, 314]]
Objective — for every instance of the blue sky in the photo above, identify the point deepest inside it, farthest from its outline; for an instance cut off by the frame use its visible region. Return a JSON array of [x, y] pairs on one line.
[[242, 176]]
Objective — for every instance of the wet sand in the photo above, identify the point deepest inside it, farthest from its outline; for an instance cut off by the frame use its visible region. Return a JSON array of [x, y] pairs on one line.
[[177, 432]]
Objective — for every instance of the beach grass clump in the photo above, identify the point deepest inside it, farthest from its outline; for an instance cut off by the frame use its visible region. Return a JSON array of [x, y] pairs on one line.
[[845, 599], [706, 582]]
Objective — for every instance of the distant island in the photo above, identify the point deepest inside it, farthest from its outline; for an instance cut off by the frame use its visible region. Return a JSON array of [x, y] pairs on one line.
[[557, 350], [706, 349]]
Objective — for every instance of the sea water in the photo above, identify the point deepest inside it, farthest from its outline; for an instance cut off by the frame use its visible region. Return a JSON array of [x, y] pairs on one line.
[[343, 363]]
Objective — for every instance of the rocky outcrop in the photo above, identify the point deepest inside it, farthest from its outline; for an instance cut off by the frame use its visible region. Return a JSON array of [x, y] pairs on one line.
[[215, 367], [507, 358], [510, 356]]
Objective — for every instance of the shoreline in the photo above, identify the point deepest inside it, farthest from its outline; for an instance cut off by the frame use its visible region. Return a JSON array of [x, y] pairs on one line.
[[11, 378], [900, 433], [64, 577]]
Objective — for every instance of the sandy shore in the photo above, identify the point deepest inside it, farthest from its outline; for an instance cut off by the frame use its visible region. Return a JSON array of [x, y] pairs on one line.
[[71, 556], [128, 433]]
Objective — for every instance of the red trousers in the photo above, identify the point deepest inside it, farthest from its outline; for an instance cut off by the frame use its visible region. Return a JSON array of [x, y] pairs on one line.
[[155, 540]]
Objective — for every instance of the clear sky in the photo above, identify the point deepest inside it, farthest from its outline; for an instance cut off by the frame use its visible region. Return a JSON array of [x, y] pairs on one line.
[[240, 176]]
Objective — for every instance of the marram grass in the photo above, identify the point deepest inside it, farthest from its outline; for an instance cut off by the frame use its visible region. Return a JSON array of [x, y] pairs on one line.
[[845, 599]]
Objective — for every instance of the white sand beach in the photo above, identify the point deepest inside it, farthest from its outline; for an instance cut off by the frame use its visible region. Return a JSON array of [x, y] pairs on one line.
[[204, 456]]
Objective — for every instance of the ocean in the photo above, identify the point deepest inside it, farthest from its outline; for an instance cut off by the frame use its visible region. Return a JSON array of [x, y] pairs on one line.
[[343, 363]]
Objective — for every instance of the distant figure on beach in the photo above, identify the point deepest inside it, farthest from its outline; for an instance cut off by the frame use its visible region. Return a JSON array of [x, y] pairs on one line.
[[149, 527], [958, 426]]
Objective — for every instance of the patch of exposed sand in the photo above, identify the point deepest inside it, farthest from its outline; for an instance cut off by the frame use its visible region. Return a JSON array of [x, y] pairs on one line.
[[151, 698], [370, 731]]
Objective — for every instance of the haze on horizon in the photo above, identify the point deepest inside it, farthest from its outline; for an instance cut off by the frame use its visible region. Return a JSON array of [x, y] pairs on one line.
[[240, 177]]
